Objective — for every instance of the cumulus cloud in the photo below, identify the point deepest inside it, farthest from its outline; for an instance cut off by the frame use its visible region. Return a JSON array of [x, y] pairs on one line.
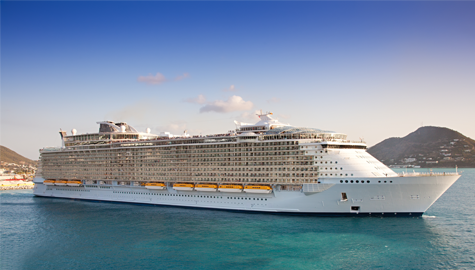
[[135, 112], [181, 77], [273, 100], [159, 78], [233, 104], [198, 100], [250, 116], [230, 89], [177, 128]]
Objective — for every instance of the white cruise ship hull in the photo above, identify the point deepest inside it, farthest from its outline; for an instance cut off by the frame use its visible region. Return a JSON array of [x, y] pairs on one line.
[[230, 190], [183, 188], [205, 189], [258, 191], [155, 187], [409, 195]]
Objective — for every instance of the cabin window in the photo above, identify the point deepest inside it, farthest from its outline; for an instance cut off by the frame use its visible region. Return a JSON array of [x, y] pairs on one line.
[[355, 208], [344, 197]]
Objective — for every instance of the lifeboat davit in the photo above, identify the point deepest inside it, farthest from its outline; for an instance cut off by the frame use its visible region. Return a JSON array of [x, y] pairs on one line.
[[230, 188], [48, 182], [155, 186], [183, 187], [206, 187], [258, 189], [60, 183]]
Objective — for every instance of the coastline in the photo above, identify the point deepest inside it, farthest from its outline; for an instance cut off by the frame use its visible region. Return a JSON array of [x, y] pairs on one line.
[[13, 186]]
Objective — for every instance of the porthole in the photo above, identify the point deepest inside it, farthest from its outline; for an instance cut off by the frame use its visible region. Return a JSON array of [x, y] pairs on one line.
[[384, 181], [390, 181], [351, 174], [357, 181], [351, 181], [367, 181], [336, 162], [331, 162], [341, 181], [362, 181], [346, 181]]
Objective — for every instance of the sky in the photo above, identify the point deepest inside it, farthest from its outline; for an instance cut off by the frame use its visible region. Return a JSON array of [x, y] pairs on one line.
[[372, 69]]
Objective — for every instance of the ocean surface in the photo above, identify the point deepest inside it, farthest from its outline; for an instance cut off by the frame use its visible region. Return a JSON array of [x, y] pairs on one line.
[[46, 233]]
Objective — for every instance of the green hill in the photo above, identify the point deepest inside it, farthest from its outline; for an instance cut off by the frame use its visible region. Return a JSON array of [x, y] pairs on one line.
[[10, 156], [427, 147]]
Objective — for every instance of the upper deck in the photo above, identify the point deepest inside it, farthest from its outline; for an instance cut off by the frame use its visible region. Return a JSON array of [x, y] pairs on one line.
[[121, 134]]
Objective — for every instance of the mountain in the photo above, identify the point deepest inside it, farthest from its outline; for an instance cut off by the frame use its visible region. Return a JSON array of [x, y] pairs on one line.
[[10, 156], [427, 147]]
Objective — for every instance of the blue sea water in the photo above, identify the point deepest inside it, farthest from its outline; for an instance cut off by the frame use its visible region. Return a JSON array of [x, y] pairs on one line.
[[46, 233]]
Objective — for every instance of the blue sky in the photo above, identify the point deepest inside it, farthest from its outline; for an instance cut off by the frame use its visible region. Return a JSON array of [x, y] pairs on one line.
[[372, 70]]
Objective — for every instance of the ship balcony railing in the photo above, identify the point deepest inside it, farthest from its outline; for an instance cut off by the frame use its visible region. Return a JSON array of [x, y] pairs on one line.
[[404, 174]]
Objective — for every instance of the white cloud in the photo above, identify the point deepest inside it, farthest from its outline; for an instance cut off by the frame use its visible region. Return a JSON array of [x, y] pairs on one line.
[[198, 100], [151, 79], [159, 78], [250, 116], [136, 112], [181, 77], [273, 100], [233, 104], [230, 89], [177, 128]]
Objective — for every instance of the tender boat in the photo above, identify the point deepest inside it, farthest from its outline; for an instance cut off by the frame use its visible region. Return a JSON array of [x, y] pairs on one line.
[[74, 183], [206, 187], [48, 182], [183, 187], [60, 183], [230, 188], [258, 189], [155, 186]]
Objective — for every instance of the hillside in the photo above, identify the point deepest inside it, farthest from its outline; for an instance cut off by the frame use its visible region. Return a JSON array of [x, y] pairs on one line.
[[427, 147], [10, 156]]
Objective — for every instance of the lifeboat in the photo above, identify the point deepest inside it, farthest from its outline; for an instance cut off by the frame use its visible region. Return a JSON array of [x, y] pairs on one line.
[[60, 183], [183, 187], [258, 189], [206, 187], [74, 183], [48, 182], [155, 186], [230, 188]]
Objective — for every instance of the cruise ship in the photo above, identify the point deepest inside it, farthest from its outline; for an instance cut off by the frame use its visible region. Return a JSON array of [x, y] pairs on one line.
[[264, 167]]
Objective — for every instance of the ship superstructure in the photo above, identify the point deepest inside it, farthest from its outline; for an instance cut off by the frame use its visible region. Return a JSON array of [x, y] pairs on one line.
[[268, 166]]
